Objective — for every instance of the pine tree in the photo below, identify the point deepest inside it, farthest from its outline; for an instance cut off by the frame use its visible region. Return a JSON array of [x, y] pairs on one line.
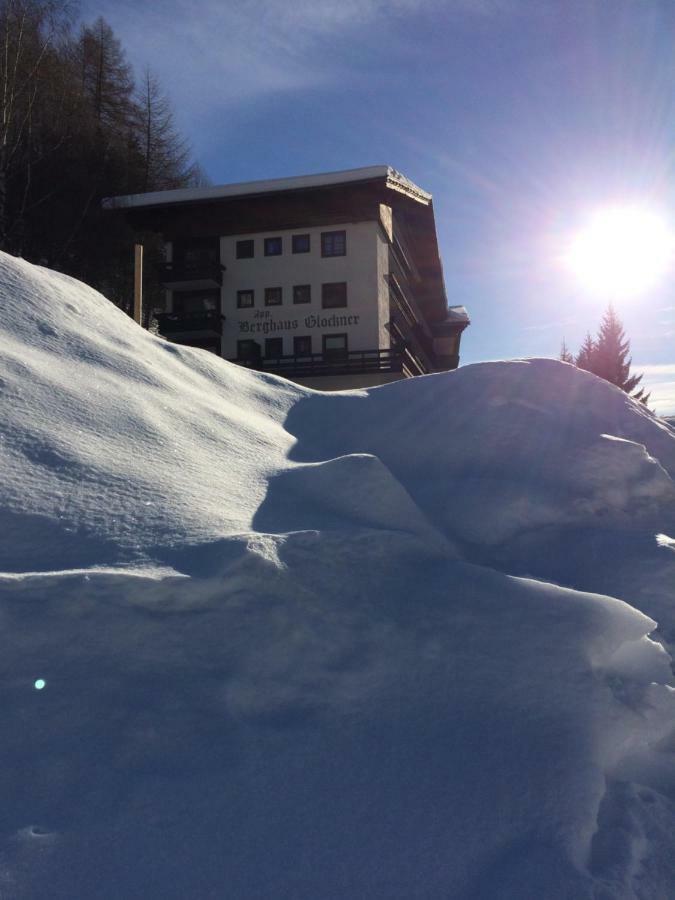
[[608, 356], [565, 355], [165, 155], [612, 361], [586, 354], [74, 130], [106, 79]]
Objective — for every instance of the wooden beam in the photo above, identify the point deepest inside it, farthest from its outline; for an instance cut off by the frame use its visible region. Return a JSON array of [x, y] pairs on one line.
[[138, 283]]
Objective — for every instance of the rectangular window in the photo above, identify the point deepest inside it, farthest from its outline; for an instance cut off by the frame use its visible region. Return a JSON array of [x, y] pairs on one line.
[[274, 348], [244, 299], [273, 296], [245, 249], [273, 246], [249, 350], [300, 243], [335, 346], [302, 346], [334, 294], [302, 293], [333, 243]]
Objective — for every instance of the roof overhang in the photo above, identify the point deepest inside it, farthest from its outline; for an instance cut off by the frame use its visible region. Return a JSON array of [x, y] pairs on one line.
[[389, 177]]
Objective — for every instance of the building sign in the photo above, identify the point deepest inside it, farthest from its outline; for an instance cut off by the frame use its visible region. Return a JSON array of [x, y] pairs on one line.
[[268, 325]]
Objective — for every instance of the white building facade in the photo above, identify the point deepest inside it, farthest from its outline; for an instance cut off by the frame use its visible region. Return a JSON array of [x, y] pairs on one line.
[[337, 289]]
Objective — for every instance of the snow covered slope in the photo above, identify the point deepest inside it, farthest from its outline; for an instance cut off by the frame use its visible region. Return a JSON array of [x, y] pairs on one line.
[[261, 642]]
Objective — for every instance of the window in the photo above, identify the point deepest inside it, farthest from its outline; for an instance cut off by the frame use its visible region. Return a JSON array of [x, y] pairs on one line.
[[248, 350], [334, 294], [244, 299], [300, 243], [273, 296], [333, 243], [274, 348], [273, 246], [302, 346], [302, 293], [245, 249], [335, 346]]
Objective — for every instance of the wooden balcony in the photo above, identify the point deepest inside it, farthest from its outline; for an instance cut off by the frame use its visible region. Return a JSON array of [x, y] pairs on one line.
[[205, 322], [191, 276], [354, 362]]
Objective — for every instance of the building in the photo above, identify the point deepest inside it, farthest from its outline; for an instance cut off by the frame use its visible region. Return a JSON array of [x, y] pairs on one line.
[[332, 280]]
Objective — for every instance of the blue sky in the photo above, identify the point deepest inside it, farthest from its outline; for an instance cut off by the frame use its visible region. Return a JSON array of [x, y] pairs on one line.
[[519, 116]]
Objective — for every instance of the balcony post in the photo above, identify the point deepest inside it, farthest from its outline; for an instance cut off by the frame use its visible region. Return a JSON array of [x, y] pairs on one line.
[[138, 283]]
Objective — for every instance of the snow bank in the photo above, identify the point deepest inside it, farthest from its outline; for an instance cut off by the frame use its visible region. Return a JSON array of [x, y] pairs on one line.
[[284, 649], [532, 466]]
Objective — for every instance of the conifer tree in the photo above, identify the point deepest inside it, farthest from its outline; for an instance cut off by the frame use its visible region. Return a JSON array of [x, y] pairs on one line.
[[74, 129], [586, 354], [106, 79], [611, 360], [608, 356], [165, 155], [565, 354]]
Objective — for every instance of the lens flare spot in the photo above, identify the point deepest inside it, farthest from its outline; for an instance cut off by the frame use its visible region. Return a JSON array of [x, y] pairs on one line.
[[40, 684]]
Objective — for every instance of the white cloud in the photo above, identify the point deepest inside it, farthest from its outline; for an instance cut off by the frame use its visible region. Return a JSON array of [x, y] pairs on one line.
[[251, 46], [221, 59], [656, 370], [659, 380], [219, 54]]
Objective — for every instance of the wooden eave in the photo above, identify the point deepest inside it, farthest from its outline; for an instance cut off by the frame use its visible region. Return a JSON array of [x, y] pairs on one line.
[[277, 211]]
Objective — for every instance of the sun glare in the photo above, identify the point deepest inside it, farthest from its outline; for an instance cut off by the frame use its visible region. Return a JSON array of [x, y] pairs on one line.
[[623, 251]]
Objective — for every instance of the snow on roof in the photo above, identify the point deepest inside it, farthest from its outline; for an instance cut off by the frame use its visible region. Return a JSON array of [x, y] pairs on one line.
[[393, 179], [458, 313], [261, 641]]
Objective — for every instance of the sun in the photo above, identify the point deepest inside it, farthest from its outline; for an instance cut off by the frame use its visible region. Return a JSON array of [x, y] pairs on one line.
[[623, 251]]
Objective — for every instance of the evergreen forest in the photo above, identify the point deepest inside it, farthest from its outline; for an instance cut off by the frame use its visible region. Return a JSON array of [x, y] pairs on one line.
[[75, 127]]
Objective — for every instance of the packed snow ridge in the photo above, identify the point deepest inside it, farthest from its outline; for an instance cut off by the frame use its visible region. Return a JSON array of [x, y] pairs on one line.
[[263, 642]]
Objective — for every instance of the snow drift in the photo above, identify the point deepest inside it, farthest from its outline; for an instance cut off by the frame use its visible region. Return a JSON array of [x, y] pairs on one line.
[[298, 645]]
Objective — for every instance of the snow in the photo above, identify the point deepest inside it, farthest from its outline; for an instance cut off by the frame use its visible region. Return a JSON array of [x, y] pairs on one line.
[[250, 188], [458, 313], [395, 643]]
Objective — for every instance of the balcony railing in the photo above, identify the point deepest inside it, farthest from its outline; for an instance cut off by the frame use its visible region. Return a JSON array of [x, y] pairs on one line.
[[408, 320], [317, 364], [190, 276], [207, 320]]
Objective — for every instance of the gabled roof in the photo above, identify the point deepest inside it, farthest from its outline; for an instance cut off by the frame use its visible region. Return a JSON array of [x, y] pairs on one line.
[[393, 179]]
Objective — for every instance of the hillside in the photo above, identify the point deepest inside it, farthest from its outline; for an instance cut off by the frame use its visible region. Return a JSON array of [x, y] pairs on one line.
[[266, 642]]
